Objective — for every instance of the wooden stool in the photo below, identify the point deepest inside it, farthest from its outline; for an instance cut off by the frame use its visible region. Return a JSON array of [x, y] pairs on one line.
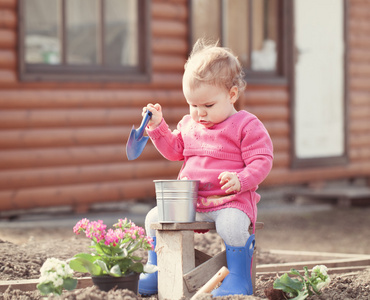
[[181, 268]]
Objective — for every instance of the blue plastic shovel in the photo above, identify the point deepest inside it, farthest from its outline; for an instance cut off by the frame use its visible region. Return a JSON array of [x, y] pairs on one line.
[[136, 141]]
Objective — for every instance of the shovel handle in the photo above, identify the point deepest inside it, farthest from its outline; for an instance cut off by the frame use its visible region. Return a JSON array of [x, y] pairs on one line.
[[210, 284], [144, 122]]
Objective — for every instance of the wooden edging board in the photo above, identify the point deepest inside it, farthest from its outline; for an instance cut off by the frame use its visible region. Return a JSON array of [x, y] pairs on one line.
[[333, 261], [344, 263], [30, 284]]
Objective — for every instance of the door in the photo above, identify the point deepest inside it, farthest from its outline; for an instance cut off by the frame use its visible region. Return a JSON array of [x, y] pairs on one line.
[[319, 122]]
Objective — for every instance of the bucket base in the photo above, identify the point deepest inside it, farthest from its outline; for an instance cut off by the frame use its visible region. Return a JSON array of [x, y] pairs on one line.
[[176, 200]]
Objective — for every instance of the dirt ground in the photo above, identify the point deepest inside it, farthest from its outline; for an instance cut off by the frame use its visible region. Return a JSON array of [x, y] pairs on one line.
[[340, 230]]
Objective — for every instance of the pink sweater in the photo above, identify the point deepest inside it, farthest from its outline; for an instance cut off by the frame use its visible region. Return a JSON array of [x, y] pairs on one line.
[[239, 144]]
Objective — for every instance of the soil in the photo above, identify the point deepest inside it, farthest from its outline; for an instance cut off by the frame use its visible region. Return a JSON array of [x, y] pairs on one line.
[[340, 230]]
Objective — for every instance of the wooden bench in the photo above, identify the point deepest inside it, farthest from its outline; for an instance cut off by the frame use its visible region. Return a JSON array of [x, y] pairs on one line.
[[183, 269]]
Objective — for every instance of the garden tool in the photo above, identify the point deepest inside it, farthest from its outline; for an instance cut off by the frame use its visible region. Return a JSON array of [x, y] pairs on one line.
[[239, 261], [136, 141], [209, 286]]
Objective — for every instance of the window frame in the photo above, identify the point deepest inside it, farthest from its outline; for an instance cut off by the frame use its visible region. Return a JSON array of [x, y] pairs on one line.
[[41, 72], [284, 31]]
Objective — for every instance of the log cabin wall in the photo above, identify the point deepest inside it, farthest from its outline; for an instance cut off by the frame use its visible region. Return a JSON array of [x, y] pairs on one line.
[[64, 143]]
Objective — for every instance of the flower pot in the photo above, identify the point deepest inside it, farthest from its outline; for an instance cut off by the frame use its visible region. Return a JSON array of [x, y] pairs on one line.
[[106, 282]]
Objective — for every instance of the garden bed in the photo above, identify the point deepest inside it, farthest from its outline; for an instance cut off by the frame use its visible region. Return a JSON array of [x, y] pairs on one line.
[[20, 264]]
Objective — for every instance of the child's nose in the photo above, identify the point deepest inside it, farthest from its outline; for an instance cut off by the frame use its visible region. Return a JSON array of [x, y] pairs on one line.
[[202, 112]]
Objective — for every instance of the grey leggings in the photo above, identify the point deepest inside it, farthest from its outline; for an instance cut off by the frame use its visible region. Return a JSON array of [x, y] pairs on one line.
[[231, 224]]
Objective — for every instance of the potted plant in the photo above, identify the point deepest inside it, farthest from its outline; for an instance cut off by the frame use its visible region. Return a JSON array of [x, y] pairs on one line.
[[112, 261]]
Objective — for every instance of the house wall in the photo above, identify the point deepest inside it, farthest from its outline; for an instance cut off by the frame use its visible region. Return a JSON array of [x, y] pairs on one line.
[[63, 143]]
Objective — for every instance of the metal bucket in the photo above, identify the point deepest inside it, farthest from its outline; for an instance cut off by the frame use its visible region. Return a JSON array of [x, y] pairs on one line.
[[176, 200]]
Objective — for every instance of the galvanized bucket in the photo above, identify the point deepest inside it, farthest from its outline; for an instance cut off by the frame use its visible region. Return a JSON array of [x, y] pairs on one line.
[[176, 200]]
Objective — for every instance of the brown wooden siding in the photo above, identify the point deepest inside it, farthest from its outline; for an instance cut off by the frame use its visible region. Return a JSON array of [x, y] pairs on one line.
[[63, 143]]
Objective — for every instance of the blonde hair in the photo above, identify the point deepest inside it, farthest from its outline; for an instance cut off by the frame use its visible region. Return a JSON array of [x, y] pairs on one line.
[[208, 63]]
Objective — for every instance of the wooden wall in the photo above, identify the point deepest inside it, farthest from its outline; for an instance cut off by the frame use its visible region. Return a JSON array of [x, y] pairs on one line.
[[64, 143]]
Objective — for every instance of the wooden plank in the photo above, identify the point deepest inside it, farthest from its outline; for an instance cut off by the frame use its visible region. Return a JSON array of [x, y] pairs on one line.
[[344, 195], [285, 267], [8, 3], [8, 19], [172, 45], [204, 272], [192, 226], [66, 175], [184, 226], [174, 11], [315, 253], [271, 112], [77, 156], [30, 284], [7, 59], [65, 137], [175, 256], [165, 62], [266, 97], [75, 195], [8, 39], [200, 257], [80, 99], [169, 28], [338, 270]]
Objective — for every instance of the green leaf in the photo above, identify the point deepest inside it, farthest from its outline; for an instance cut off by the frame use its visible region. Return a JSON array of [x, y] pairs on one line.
[[137, 267], [69, 283], [288, 285], [115, 271], [85, 264], [137, 258], [102, 265], [301, 295], [46, 288], [295, 272]]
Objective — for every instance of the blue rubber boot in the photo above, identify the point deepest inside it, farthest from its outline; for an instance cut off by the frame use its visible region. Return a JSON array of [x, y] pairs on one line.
[[239, 280], [148, 282]]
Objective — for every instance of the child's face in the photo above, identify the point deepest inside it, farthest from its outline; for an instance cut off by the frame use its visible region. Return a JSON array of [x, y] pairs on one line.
[[210, 104]]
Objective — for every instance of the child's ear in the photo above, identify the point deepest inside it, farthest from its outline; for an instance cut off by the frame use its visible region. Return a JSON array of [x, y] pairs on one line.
[[234, 94]]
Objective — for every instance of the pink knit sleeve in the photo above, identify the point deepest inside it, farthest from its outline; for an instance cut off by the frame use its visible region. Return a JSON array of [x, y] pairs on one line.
[[257, 153], [169, 144]]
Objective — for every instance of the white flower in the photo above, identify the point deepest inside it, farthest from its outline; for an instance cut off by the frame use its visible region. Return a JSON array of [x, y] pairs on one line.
[[320, 269], [54, 270]]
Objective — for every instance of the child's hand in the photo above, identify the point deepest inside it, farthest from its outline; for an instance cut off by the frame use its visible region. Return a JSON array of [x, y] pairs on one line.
[[157, 115], [230, 182]]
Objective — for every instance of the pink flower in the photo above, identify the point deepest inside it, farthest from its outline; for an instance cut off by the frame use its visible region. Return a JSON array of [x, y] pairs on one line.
[[150, 241], [81, 226], [113, 237], [96, 230]]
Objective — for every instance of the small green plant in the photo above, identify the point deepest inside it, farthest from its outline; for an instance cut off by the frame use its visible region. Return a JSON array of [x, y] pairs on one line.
[[303, 286], [56, 275], [113, 249]]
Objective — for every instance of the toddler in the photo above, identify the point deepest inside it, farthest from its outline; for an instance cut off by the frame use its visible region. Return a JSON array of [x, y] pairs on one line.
[[229, 151]]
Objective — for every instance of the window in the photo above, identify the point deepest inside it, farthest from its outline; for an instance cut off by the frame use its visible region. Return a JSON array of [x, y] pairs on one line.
[[251, 28], [84, 39]]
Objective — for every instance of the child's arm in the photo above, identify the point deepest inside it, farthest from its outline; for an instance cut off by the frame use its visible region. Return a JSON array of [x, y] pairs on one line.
[[257, 153], [157, 115], [169, 144]]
